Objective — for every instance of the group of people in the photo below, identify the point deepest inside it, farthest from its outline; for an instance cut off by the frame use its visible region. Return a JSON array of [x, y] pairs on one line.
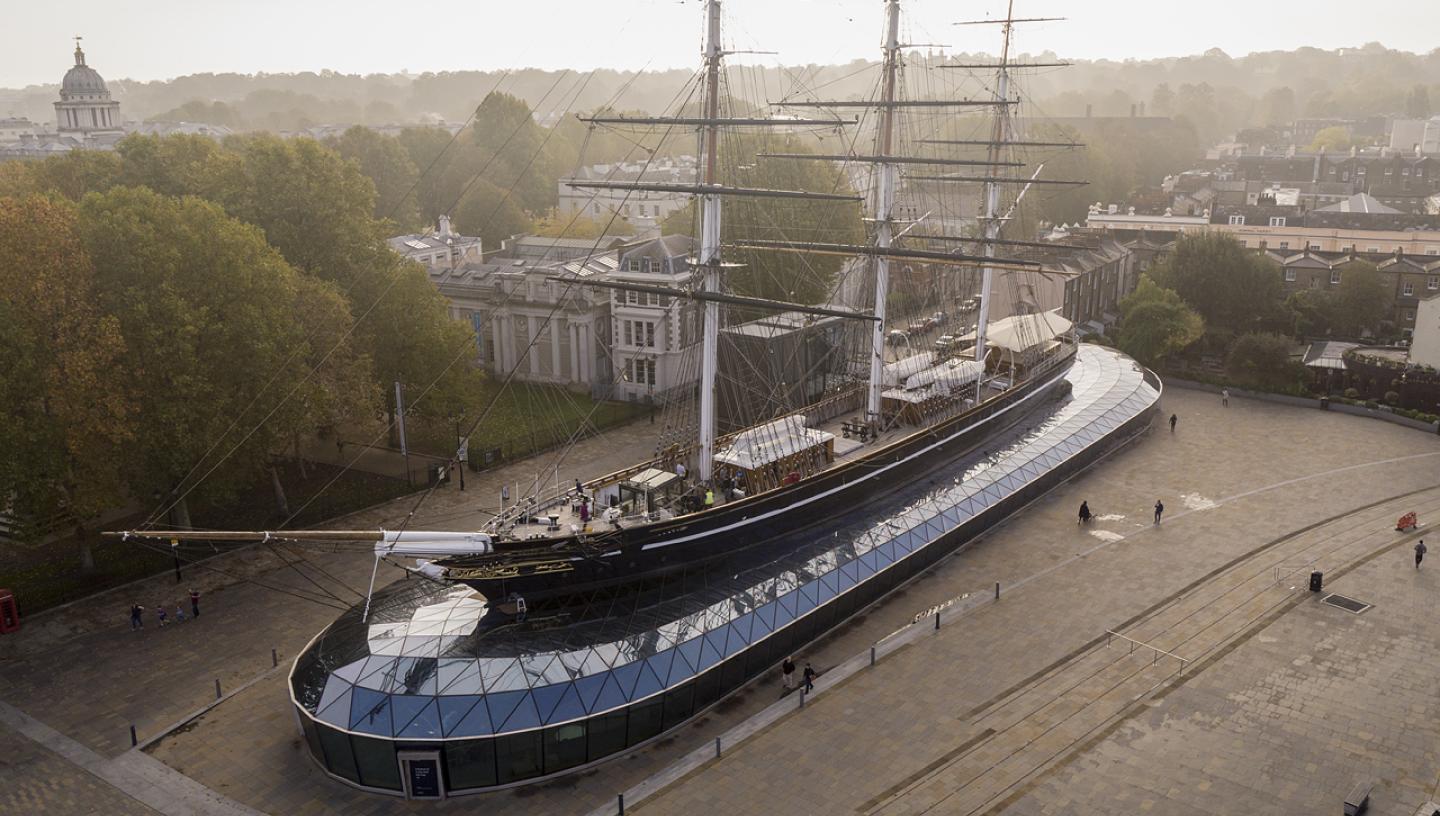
[[787, 675], [137, 612]]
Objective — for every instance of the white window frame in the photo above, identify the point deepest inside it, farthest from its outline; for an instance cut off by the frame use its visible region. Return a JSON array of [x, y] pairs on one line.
[[1237, 220], [1334, 277], [1277, 221], [1407, 289], [1432, 282], [1289, 276]]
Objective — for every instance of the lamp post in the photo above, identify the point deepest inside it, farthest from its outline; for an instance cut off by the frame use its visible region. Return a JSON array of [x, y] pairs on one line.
[[462, 449]]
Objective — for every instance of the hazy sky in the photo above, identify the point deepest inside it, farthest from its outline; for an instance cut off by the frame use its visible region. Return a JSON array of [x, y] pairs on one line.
[[157, 39]]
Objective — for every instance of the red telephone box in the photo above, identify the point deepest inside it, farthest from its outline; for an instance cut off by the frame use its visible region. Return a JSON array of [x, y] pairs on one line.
[[9, 612]]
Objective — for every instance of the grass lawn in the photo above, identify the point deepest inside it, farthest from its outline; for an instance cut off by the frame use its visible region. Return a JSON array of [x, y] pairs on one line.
[[526, 417]]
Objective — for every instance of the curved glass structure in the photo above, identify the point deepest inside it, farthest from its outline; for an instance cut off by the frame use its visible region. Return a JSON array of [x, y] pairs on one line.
[[503, 702]]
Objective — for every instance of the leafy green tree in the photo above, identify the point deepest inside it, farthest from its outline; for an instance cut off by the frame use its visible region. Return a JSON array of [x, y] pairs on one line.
[[173, 165], [487, 211], [62, 375], [217, 330], [1310, 312], [1156, 323], [1262, 360], [1232, 289], [1331, 139], [387, 164], [799, 278], [200, 111], [515, 152], [1360, 302]]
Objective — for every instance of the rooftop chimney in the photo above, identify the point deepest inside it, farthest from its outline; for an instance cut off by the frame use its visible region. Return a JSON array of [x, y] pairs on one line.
[[444, 227]]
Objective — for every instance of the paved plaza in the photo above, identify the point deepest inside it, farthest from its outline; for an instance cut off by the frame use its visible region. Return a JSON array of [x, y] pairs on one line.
[[1260, 699]]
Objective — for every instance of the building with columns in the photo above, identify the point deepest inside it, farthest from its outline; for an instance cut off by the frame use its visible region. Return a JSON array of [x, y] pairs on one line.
[[85, 106]]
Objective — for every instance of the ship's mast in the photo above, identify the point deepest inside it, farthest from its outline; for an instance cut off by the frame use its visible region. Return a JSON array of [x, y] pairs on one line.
[[884, 201], [999, 136], [710, 242]]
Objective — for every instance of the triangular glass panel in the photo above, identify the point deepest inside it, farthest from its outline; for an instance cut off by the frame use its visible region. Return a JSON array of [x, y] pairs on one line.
[[647, 684], [588, 688], [475, 723], [625, 676], [502, 705], [524, 716], [370, 712], [569, 707], [610, 697], [546, 697], [454, 709], [660, 664], [689, 651], [424, 725]]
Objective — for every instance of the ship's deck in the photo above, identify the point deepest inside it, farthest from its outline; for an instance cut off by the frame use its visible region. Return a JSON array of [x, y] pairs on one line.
[[563, 517], [426, 642]]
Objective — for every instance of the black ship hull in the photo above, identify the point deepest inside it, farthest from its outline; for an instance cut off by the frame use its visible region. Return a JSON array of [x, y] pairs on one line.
[[580, 565]]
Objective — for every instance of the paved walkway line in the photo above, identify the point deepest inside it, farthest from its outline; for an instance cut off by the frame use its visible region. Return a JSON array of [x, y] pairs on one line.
[[133, 773], [205, 709]]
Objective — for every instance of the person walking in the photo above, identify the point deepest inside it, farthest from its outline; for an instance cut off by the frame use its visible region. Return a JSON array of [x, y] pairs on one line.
[[1159, 510], [160, 613], [709, 498], [1419, 553], [1084, 512], [179, 613], [136, 610], [194, 602], [809, 678], [1225, 397], [1173, 419], [787, 673]]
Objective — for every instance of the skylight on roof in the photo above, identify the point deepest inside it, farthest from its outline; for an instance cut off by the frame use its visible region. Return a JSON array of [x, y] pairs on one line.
[[414, 244]]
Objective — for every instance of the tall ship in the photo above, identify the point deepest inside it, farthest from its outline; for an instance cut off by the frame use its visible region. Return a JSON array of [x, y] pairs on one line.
[[912, 385]]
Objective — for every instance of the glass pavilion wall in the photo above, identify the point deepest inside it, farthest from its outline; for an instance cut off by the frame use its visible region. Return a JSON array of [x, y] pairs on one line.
[[506, 704]]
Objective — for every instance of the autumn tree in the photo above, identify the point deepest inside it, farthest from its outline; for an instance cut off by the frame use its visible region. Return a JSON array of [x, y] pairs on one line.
[[219, 336], [1262, 360], [63, 378]]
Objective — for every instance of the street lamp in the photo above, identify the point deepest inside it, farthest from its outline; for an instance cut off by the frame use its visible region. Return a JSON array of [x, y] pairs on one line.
[[462, 449]]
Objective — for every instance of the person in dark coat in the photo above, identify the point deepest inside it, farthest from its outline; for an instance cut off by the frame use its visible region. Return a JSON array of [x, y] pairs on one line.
[[194, 602], [1084, 512], [1173, 419], [1159, 510], [787, 673], [809, 678], [136, 610], [1419, 553]]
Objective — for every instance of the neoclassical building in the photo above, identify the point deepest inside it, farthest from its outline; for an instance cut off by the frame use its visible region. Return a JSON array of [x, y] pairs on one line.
[[85, 106]]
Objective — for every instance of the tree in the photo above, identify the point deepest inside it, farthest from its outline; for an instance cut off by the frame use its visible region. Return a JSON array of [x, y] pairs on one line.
[[1156, 323], [1232, 288], [1262, 360], [1331, 139], [1360, 302], [62, 378], [780, 275], [487, 211], [218, 332], [1417, 103], [1277, 107], [198, 110], [558, 225], [388, 166], [1162, 100]]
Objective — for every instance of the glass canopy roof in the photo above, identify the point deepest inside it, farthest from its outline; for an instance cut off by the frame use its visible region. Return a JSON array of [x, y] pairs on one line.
[[432, 664]]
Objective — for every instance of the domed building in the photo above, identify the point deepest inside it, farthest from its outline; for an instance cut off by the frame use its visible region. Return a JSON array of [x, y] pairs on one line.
[[85, 106]]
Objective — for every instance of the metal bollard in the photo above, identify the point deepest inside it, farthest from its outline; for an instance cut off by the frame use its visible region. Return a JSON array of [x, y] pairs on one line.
[[217, 688], [937, 621], [997, 590], [274, 658], [872, 655], [717, 747], [622, 804], [134, 741]]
